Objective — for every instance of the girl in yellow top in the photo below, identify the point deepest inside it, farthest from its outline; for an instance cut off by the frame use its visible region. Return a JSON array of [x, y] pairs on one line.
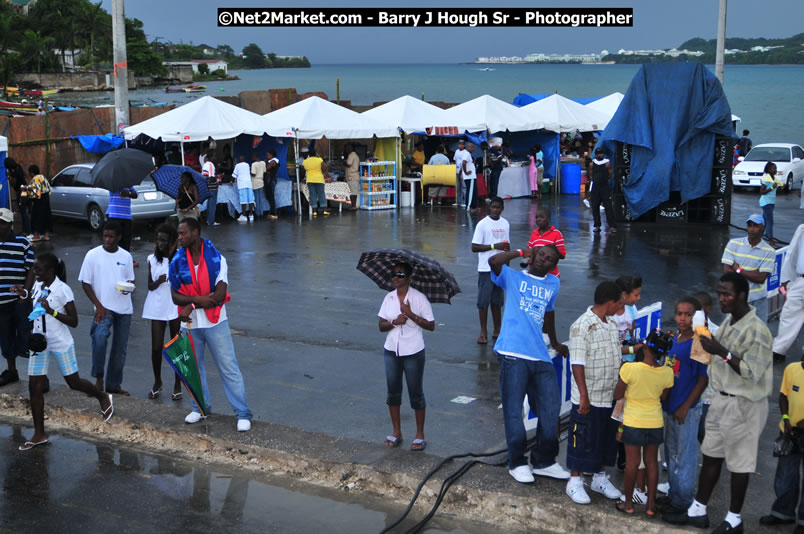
[[644, 384], [39, 195], [314, 172]]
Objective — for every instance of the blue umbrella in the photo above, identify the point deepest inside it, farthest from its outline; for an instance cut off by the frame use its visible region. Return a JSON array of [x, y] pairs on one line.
[[168, 180]]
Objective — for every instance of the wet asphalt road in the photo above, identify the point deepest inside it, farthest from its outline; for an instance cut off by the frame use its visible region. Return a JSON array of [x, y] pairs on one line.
[[92, 486], [305, 319]]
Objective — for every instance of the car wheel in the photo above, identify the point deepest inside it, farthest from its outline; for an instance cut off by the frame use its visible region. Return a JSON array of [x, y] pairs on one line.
[[95, 217], [789, 185]]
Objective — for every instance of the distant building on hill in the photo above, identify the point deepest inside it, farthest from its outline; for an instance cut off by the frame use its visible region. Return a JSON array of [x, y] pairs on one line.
[[212, 64], [22, 6]]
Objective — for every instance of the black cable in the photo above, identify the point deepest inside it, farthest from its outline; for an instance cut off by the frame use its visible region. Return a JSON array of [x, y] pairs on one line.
[[445, 485]]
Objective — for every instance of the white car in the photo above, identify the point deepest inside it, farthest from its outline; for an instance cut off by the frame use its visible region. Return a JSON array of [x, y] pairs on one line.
[[789, 160]]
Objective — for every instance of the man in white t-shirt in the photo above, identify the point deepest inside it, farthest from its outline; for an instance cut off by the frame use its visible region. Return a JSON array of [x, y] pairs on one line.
[[103, 268], [258, 184], [201, 296], [469, 175], [242, 176], [460, 156], [491, 237]]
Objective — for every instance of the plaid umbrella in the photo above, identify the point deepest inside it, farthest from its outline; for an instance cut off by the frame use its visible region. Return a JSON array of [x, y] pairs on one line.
[[168, 180], [437, 284]]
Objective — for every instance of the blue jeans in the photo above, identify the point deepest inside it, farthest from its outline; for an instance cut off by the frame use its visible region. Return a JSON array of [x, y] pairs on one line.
[[260, 204], [318, 197], [767, 214], [219, 340], [537, 379], [212, 206], [761, 306], [681, 453], [413, 368], [788, 488], [99, 333]]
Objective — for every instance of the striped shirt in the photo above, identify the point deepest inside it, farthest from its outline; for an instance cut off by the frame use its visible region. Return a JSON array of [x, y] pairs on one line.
[[119, 206], [760, 257], [595, 345], [551, 236], [16, 259], [750, 340], [208, 170]]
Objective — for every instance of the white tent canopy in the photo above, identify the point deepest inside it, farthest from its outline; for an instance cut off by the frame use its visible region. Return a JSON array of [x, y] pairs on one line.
[[561, 114], [488, 113], [3, 144], [407, 113], [314, 118], [199, 120], [607, 105]]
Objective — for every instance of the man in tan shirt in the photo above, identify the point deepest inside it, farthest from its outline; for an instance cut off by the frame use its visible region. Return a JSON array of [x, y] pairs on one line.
[[353, 174]]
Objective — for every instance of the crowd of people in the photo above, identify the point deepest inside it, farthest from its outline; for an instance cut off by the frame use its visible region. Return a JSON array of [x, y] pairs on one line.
[[645, 400]]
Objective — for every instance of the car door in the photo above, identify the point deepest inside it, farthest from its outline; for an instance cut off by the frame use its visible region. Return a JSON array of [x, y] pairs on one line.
[[91, 194], [63, 192], [798, 166]]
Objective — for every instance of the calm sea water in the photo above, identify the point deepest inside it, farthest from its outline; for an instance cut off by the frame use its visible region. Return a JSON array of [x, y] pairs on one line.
[[767, 98]]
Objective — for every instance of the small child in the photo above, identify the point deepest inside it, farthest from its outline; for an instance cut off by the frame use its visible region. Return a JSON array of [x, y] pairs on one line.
[[547, 234], [644, 384], [706, 399], [632, 292], [682, 411], [159, 307], [491, 237]]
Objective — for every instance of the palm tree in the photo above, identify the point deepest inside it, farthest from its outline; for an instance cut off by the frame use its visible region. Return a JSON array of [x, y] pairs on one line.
[[36, 50], [9, 34]]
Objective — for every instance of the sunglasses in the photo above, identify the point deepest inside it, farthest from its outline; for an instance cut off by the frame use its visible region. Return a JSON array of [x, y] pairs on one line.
[[400, 275]]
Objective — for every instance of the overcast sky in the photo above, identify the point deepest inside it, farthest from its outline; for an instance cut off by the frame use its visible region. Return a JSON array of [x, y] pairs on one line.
[[657, 24]]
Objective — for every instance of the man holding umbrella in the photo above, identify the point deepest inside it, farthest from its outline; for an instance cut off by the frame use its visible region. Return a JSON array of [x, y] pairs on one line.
[[525, 364], [198, 281]]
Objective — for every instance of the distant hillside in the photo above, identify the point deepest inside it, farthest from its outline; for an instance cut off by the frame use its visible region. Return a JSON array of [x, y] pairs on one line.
[[751, 52]]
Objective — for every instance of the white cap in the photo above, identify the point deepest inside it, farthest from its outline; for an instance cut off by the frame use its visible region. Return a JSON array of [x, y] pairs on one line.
[[699, 319]]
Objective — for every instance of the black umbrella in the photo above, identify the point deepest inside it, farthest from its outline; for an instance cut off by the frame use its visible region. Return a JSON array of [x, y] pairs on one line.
[[437, 284], [122, 168]]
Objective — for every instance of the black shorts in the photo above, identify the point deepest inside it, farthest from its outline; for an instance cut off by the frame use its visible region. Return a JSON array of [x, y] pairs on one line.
[[643, 436], [592, 439]]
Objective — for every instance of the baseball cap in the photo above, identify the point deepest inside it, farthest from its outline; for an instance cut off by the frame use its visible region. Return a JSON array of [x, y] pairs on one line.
[[461, 142], [756, 218], [6, 215]]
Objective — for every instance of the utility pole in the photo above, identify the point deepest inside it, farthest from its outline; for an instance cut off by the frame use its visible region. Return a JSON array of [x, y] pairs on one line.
[[721, 41], [121, 116]]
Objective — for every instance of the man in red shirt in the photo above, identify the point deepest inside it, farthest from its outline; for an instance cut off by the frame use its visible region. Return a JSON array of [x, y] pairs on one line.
[[546, 234]]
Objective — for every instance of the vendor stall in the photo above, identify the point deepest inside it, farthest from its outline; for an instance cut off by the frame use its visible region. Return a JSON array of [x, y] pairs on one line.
[[514, 182]]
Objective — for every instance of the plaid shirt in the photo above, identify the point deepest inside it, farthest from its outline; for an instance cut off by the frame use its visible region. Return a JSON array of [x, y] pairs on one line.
[[596, 346]]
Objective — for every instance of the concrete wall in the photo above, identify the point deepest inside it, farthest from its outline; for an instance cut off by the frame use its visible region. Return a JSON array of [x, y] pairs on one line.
[[180, 73], [81, 80]]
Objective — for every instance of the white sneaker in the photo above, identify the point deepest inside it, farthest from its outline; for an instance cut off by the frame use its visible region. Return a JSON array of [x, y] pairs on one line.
[[553, 471], [242, 218], [577, 492], [664, 487], [243, 425], [521, 474], [586, 203], [637, 498], [194, 417], [604, 486], [602, 207]]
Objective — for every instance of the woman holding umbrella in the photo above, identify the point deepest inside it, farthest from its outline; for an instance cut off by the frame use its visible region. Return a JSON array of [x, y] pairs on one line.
[[404, 313], [188, 198]]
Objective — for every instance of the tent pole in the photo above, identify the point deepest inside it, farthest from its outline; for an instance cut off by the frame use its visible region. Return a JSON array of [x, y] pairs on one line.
[[558, 168], [181, 148], [298, 181]]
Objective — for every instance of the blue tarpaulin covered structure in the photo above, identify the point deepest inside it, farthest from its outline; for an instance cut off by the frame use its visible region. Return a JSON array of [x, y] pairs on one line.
[[100, 144], [523, 99], [670, 115]]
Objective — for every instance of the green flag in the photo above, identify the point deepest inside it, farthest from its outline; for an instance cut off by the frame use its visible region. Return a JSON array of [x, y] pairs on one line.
[[180, 354]]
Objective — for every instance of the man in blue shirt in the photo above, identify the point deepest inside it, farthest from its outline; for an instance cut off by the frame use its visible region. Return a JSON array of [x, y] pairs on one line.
[[525, 364], [120, 208]]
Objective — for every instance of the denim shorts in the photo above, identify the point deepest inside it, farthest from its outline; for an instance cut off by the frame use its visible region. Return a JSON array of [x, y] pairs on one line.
[[642, 436], [488, 292], [592, 439]]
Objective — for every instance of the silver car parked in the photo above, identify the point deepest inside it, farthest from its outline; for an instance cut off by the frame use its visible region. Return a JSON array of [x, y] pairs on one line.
[[73, 196]]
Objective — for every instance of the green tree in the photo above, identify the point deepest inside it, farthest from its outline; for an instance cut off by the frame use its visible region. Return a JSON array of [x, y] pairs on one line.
[[203, 68], [226, 51], [36, 50], [253, 57], [9, 36]]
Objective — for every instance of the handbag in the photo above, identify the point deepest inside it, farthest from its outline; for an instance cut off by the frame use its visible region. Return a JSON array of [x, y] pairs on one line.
[[37, 342]]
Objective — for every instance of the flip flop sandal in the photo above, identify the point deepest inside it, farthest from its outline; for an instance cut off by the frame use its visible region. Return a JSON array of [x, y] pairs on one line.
[[177, 396], [481, 340], [28, 445], [418, 445], [624, 508], [650, 513], [154, 393], [392, 441], [108, 412]]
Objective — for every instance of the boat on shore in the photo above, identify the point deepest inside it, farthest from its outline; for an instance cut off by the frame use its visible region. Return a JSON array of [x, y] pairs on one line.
[[17, 91], [186, 89]]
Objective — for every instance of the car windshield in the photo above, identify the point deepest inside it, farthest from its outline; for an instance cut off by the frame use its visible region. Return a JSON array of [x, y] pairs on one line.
[[769, 153]]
